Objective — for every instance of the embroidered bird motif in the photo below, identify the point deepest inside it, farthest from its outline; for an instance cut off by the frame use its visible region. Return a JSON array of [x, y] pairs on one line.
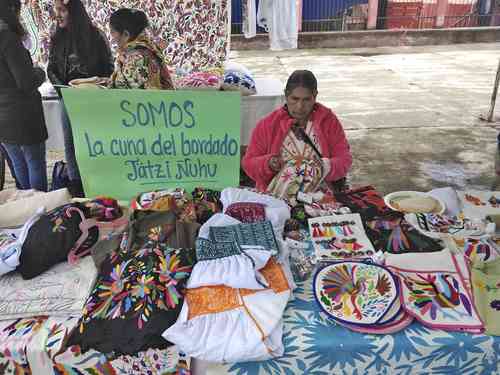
[[435, 292], [340, 285]]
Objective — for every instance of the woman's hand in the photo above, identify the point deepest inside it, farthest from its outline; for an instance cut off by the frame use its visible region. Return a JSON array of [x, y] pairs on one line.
[[275, 163]]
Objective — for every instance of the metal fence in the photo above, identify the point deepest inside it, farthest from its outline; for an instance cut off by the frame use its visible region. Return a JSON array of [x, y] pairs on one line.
[[411, 14], [345, 15]]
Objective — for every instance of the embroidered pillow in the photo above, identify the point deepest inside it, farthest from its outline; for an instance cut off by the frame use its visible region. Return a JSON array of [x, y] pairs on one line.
[[357, 293], [247, 212], [234, 80], [200, 81]]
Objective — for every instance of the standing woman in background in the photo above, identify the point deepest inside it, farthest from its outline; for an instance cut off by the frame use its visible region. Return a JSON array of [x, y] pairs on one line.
[[78, 49], [22, 124]]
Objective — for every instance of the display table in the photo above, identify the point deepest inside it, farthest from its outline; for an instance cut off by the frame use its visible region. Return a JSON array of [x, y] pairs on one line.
[[269, 97], [316, 345]]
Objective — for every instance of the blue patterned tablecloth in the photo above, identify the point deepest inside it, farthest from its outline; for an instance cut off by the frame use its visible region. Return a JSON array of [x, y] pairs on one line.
[[316, 345]]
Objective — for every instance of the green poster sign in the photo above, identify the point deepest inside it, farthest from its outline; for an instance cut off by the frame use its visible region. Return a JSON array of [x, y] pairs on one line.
[[130, 141]]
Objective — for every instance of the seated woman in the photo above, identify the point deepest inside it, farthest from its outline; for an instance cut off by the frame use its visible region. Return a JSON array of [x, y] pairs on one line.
[[140, 63], [300, 147]]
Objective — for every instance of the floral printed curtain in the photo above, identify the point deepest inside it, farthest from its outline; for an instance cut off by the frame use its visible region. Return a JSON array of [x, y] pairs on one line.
[[192, 33]]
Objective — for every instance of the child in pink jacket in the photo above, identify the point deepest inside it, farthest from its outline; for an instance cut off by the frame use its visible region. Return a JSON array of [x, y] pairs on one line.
[[303, 135]]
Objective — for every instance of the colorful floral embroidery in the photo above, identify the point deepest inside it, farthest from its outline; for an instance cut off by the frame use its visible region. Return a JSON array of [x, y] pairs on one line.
[[138, 283], [192, 34], [355, 292], [432, 293], [480, 249]]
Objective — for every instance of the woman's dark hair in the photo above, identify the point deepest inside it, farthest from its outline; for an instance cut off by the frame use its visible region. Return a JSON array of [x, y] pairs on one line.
[[82, 32], [132, 20], [301, 78], [9, 11]]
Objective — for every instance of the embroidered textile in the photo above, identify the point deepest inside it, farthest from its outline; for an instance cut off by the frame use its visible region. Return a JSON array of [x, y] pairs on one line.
[[253, 234], [234, 80], [481, 249], [479, 204], [247, 212], [340, 237], [60, 291], [486, 285], [38, 346], [356, 293], [303, 168], [435, 289], [54, 236], [199, 81], [137, 296], [140, 65], [393, 234], [193, 35], [366, 201], [219, 323], [208, 250]]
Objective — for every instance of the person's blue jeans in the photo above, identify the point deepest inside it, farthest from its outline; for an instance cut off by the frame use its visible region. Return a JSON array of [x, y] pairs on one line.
[[9, 163], [69, 148], [30, 165]]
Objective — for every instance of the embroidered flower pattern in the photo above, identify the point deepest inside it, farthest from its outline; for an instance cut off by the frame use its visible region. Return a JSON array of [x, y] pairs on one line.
[[191, 34], [147, 279], [438, 293]]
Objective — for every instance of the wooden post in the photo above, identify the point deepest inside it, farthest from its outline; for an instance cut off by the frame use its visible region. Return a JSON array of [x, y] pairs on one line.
[[494, 94]]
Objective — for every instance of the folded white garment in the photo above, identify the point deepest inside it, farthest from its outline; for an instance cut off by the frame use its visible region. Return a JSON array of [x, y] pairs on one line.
[[221, 324], [226, 264]]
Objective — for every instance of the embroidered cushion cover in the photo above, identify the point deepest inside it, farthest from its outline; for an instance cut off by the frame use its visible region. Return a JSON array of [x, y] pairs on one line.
[[435, 289], [356, 293]]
